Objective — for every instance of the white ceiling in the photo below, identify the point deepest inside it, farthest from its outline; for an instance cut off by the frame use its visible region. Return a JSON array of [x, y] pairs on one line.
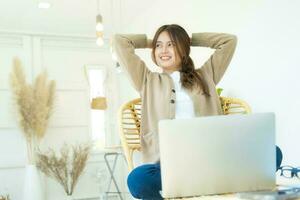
[[75, 17]]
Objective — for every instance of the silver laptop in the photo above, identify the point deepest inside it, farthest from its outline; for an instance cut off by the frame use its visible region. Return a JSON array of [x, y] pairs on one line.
[[217, 154]]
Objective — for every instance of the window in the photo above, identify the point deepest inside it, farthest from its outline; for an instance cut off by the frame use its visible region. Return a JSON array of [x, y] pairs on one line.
[[96, 77]]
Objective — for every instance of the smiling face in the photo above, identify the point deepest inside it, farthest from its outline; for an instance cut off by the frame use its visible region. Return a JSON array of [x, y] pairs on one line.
[[165, 53]]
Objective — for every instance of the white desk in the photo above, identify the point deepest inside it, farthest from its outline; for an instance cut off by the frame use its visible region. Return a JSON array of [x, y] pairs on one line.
[[280, 181]]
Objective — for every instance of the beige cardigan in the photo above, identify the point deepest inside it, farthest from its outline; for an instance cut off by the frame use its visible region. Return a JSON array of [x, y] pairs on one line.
[[157, 89]]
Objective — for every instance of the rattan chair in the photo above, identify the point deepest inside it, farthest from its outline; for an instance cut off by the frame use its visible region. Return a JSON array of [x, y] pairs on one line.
[[130, 120], [232, 106]]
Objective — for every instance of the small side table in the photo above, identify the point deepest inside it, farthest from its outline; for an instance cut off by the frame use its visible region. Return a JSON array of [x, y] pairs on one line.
[[114, 152]]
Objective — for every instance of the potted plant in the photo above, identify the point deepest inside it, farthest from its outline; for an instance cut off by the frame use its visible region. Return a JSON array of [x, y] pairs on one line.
[[34, 106], [65, 168]]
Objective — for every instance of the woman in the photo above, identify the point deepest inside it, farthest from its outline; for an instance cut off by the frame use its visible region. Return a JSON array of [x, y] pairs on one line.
[[180, 91]]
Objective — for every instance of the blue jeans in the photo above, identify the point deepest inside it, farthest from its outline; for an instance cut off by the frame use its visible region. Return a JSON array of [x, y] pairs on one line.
[[144, 182]]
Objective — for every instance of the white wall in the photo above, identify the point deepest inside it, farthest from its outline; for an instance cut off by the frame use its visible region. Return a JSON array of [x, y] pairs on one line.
[[265, 67], [64, 58], [268, 77]]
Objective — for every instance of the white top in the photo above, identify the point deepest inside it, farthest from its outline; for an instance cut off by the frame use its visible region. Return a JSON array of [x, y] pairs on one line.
[[184, 107]]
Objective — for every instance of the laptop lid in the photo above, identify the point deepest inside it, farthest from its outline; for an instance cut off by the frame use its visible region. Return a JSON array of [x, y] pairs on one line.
[[217, 154]]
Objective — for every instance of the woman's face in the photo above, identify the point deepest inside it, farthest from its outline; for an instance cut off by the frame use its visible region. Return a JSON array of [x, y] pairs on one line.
[[165, 53]]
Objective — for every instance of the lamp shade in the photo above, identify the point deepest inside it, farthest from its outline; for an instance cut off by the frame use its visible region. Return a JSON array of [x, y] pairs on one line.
[[99, 23], [99, 103]]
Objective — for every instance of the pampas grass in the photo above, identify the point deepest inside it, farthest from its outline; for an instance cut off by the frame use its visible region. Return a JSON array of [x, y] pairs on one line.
[[66, 168], [34, 105], [4, 197]]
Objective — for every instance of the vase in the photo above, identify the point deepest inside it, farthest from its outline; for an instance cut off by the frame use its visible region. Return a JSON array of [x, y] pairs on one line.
[[33, 188], [69, 197]]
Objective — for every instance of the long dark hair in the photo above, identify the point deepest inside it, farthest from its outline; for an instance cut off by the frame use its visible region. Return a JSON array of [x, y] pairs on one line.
[[190, 79]]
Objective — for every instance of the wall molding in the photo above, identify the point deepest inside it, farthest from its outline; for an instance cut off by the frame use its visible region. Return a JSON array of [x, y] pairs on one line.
[[43, 34], [49, 127], [73, 44], [12, 167], [10, 40]]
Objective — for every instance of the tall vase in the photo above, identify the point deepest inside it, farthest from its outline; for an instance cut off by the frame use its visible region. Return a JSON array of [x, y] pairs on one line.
[[33, 185], [69, 197]]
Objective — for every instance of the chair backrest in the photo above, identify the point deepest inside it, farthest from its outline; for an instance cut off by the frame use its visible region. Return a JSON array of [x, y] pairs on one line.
[[234, 106], [129, 129], [130, 120]]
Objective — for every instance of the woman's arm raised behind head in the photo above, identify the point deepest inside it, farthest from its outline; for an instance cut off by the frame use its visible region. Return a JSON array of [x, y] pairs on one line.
[[224, 44], [124, 46]]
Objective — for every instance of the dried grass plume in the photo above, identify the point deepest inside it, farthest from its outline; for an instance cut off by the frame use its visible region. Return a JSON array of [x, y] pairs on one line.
[[66, 168], [34, 105], [6, 197]]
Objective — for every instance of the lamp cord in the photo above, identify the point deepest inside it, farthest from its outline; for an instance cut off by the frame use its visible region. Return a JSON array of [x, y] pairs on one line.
[[98, 6]]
